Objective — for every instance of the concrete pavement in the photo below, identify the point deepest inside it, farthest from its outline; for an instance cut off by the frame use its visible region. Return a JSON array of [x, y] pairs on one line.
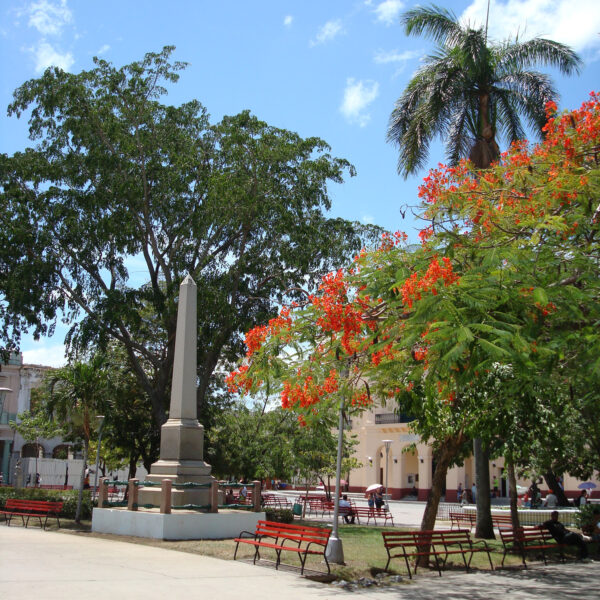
[[48, 565], [52, 565]]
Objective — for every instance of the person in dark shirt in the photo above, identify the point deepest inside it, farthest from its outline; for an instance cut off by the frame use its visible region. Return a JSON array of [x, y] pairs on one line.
[[563, 536]]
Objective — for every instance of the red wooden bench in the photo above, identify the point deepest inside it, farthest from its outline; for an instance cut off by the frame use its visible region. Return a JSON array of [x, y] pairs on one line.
[[368, 513], [31, 508], [281, 537], [461, 520], [528, 539], [437, 544], [276, 501], [502, 520]]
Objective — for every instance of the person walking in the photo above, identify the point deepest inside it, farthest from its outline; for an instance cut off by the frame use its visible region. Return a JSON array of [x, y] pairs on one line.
[[474, 493]]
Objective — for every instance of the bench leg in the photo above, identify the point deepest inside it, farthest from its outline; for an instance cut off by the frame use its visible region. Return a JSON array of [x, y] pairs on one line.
[[408, 566]]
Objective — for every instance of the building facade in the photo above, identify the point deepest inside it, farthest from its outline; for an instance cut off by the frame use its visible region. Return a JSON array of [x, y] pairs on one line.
[[20, 379], [406, 463]]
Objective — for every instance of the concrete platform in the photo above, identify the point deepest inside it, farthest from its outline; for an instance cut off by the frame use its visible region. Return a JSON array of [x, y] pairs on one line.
[[179, 525]]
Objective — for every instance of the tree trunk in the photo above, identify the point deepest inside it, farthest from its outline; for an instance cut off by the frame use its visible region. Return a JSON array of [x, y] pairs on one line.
[[484, 527], [81, 481], [485, 150], [512, 490], [552, 483], [444, 456]]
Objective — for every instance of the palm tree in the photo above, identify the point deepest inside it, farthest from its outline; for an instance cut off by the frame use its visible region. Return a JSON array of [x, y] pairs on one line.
[[77, 393], [469, 89]]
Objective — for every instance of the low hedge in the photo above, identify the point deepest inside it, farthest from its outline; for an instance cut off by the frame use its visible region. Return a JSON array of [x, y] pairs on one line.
[[279, 515], [68, 497]]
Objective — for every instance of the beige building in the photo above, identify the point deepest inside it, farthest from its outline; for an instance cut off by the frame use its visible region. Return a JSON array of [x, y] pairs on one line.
[[19, 378], [409, 471]]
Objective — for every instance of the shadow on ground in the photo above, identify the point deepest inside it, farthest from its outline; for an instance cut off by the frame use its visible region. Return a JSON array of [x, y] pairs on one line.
[[571, 580]]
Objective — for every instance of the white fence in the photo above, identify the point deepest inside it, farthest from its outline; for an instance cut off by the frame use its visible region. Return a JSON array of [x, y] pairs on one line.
[[58, 472]]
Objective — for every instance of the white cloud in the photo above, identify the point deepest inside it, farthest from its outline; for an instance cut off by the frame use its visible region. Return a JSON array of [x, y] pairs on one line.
[[357, 97], [49, 356], [287, 21], [394, 56], [368, 219], [576, 24], [105, 48], [330, 30], [49, 18], [47, 56], [387, 12]]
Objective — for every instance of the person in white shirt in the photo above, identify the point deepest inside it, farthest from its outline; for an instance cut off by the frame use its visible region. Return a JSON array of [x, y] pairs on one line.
[[551, 501], [346, 509]]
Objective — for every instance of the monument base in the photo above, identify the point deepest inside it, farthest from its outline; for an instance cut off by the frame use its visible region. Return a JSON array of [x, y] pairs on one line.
[[178, 471], [180, 525]]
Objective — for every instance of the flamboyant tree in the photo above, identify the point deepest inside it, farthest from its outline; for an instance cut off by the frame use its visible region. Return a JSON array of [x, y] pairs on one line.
[[506, 274]]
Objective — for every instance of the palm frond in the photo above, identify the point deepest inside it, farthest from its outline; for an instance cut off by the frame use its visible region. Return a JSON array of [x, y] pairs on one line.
[[540, 51], [439, 24], [508, 122], [529, 91], [459, 142]]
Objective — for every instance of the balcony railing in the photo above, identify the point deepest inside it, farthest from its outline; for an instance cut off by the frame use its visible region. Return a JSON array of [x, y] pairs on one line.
[[387, 418]]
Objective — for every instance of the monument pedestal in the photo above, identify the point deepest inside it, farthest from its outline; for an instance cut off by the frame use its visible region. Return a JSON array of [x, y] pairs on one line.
[[181, 443]]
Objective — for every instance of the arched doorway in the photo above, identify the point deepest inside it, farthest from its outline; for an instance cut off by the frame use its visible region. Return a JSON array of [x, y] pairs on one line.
[[32, 451], [410, 483], [61, 451]]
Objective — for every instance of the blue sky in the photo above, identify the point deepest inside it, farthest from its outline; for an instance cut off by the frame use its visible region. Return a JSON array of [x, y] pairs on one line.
[[331, 69]]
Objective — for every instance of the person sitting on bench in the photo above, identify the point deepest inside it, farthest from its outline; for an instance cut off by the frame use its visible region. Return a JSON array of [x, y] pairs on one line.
[[346, 509], [563, 536]]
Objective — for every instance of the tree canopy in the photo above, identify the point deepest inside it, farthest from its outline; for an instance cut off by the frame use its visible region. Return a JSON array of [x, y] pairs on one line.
[[506, 276], [122, 196]]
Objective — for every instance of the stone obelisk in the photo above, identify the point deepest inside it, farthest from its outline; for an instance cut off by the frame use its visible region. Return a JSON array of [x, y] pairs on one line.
[[182, 436]]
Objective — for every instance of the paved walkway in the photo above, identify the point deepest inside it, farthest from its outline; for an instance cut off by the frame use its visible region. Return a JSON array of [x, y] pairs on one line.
[[51, 565]]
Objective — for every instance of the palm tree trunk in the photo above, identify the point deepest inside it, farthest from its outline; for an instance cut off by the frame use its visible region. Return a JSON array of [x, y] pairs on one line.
[[485, 151], [81, 481], [484, 527]]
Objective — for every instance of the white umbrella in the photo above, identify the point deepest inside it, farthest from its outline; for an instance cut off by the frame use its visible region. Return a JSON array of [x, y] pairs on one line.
[[373, 487]]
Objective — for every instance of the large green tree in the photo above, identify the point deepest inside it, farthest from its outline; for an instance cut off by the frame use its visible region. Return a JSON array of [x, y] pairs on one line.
[[122, 196], [471, 88]]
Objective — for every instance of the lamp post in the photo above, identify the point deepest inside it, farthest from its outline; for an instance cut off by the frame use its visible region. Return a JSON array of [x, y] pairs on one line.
[[101, 425], [387, 443], [335, 550]]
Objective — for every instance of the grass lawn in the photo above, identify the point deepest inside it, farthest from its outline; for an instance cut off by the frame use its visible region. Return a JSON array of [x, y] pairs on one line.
[[364, 553]]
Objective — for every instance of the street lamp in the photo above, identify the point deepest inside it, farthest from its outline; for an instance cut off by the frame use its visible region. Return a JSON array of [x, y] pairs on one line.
[[100, 426], [387, 443], [335, 550]]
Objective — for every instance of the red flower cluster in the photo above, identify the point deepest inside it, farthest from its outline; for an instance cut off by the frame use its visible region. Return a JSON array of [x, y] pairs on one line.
[[256, 337], [338, 314], [415, 286], [308, 393], [238, 381]]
